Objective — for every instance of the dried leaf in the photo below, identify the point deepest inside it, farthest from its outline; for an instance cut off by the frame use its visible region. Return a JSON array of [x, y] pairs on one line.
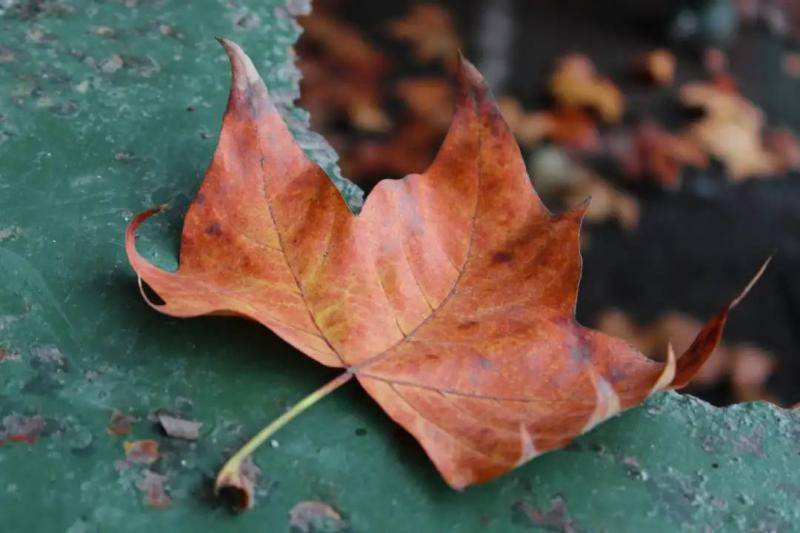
[[791, 64], [784, 146], [343, 44], [558, 176], [450, 297], [429, 99], [178, 428], [657, 66], [730, 130], [430, 30], [570, 127], [715, 61], [652, 153], [575, 83]]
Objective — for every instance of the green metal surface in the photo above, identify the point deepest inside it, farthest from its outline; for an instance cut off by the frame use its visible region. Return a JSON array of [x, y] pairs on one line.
[[107, 108]]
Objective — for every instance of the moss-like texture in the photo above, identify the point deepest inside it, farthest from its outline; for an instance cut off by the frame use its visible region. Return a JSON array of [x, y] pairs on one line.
[[107, 108]]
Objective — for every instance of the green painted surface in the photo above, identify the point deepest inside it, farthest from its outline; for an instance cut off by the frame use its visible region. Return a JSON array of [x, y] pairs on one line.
[[94, 126]]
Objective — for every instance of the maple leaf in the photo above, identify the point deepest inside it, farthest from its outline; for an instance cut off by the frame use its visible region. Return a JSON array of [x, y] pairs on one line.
[[450, 297]]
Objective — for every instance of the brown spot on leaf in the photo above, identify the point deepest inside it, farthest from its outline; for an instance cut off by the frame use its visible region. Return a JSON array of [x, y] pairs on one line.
[[214, 230], [502, 257], [200, 199]]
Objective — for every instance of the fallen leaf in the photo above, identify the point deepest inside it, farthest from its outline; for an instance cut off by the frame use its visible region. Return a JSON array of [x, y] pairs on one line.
[[730, 130], [791, 64], [179, 428], [341, 73], [430, 30], [430, 99], [152, 485], [651, 153], [343, 44], [715, 61], [313, 516], [785, 148], [575, 83], [558, 176], [120, 423], [141, 451], [657, 66], [570, 127], [450, 297]]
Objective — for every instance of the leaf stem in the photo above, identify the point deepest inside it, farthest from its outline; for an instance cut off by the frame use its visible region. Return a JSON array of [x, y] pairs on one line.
[[231, 471]]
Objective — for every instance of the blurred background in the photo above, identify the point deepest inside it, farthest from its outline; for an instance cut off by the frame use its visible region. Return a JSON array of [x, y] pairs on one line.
[[677, 118]]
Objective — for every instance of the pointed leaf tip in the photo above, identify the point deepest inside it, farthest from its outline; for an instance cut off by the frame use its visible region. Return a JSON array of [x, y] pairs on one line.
[[248, 95], [709, 337]]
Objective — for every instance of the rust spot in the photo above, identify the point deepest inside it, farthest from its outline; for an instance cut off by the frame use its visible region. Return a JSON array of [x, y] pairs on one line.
[[502, 257], [200, 199], [214, 230]]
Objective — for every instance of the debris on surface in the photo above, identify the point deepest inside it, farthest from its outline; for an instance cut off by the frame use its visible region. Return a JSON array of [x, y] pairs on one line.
[[120, 423], [179, 428], [315, 517], [556, 518], [141, 451], [152, 486], [8, 355], [18, 428], [48, 355]]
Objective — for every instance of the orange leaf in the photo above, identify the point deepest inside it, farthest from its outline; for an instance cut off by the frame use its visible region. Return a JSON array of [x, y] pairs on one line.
[[576, 83], [450, 297]]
